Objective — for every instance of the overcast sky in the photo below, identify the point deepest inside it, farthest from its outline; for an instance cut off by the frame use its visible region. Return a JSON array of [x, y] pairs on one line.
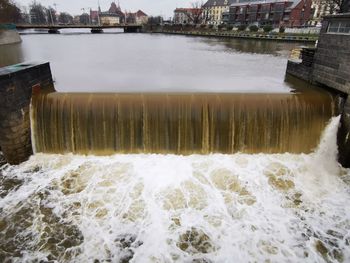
[[150, 7]]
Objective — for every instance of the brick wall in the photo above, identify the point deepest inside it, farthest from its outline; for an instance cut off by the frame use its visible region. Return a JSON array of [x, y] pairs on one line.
[[17, 83], [300, 14]]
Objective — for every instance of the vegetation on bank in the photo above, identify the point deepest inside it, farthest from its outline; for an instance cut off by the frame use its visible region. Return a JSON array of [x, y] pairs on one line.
[[9, 12]]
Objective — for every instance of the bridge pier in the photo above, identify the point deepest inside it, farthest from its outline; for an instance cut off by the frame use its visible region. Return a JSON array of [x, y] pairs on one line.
[[53, 31], [128, 29], [96, 30]]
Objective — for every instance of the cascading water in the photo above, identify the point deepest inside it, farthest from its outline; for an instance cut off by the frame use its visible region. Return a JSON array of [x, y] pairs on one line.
[[103, 124], [173, 208]]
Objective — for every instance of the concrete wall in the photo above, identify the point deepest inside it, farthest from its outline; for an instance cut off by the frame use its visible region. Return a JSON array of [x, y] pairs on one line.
[[332, 59], [9, 37], [17, 84], [299, 70], [330, 67]]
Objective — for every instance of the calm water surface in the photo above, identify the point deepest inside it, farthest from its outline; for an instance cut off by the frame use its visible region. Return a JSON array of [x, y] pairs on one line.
[[117, 62]]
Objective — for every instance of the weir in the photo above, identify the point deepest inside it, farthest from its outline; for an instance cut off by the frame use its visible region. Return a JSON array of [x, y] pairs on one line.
[[103, 124], [188, 123]]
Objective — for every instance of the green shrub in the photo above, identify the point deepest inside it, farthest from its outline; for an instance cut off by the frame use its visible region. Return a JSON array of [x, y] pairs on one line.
[[267, 28], [253, 28], [229, 28], [282, 29], [242, 28], [220, 27], [211, 26], [202, 25]]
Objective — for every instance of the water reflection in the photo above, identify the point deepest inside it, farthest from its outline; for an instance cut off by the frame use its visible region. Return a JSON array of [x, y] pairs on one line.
[[253, 46], [114, 62], [11, 54]]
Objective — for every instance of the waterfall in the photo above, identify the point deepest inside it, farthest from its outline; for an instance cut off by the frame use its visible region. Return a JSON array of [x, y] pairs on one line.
[[103, 124]]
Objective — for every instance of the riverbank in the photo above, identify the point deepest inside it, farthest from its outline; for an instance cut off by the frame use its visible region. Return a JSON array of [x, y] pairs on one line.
[[9, 35], [242, 34]]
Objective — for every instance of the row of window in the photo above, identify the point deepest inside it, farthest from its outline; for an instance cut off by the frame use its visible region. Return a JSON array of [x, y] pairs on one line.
[[342, 27]]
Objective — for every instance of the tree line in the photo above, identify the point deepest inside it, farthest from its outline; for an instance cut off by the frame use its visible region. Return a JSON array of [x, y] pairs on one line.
[[38, 14]]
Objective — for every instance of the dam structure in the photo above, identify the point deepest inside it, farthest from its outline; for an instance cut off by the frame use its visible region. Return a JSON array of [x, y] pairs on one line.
[[179, 149], [178, 123]]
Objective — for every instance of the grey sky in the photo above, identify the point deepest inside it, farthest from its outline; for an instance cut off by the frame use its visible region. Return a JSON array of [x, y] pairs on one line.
[[150, 7]]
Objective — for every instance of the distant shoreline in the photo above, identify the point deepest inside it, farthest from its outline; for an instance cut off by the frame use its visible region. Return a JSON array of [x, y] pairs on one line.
[[246, 35]]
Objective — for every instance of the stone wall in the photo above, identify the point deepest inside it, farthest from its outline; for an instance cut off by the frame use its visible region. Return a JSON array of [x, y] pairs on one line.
[[297, 69], [17, 84], [302, 68], [343, 137], [330, 67], [332, 59]]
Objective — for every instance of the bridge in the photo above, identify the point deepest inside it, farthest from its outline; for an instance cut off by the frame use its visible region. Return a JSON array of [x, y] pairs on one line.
[[54, 29]]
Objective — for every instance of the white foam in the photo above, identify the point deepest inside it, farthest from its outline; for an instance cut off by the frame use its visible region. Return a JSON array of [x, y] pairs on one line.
[[233, 208]]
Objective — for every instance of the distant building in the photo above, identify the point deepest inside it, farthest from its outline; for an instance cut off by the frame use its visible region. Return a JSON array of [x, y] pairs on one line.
[[113, 16], [94, 16], [213, 10], [76, 20], [180, 16], [188, 15], [109, 19], [321, 8], [139, 18], [289, 13]]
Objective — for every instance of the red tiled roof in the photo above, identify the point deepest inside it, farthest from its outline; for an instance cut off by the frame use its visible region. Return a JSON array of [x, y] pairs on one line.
[[114, 8], [93, 14], [189, 10], [140, 13]]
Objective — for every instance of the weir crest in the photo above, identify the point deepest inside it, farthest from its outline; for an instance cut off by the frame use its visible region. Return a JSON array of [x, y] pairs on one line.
[[103, 124]]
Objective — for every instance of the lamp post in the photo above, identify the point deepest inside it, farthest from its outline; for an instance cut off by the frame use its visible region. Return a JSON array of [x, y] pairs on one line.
[[51, 15]]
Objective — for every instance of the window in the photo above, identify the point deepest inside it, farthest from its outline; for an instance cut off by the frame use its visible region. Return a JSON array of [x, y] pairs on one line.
[[342, 27]]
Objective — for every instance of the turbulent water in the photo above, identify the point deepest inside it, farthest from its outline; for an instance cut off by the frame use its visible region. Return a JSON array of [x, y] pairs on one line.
[[172, 208], [103, 123]]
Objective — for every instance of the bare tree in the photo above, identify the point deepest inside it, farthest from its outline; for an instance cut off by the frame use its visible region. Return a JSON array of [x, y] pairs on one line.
[[65, 18], [9, 12], [37, 13], [195, 13], [51, 15], [206, 16]]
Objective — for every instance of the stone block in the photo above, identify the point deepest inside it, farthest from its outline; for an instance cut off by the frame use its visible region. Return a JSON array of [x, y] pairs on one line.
[[16, 84]]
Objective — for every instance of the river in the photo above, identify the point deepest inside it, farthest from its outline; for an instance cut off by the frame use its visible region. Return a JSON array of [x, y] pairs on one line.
[[118, 62], [140, 207]]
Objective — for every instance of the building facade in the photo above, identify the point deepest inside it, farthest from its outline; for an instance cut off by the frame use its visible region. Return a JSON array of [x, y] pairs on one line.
[[109, 19], [180, 16], [188, 16], [321, 8], [113, 16], [213, 10], [290, 13], [141, 17]]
